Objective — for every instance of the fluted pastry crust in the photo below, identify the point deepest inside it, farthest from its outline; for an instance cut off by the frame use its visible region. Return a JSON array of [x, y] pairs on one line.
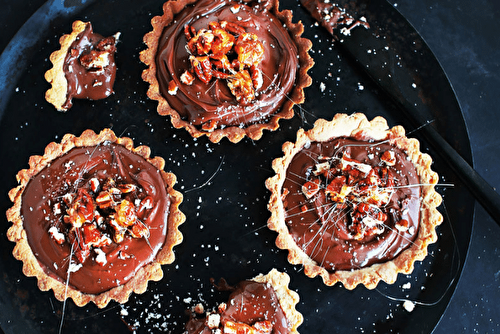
[[358, 126], [31, 266]]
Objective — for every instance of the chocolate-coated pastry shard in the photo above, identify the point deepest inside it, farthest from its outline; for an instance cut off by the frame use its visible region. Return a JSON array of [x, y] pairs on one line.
[[354, 201], [262, 305], [83, 68], [336, 17], [226, 69], [94, 218]]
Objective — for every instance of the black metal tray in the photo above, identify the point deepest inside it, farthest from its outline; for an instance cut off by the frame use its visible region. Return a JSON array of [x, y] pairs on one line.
[[225, 199]]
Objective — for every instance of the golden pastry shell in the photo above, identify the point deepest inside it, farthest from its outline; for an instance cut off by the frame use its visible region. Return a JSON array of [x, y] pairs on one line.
[[233, 133], [31, 267], [358, 126]]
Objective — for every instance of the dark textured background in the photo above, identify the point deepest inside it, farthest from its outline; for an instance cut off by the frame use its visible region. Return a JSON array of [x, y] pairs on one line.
[[464, 37]]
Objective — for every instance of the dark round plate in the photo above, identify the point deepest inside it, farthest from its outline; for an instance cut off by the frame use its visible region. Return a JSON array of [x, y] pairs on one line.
[[225, 234]]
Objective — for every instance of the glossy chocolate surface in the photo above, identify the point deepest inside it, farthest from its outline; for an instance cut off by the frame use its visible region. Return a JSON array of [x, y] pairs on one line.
[[200, 102], [26, 309], [72, 171], [249, 303], [89, 83], [321, 227]]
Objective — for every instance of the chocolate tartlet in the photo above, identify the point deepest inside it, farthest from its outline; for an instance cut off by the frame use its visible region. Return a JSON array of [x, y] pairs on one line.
[[83, 68], [226, 69], [95, 218], [354, 201], [262, 305]]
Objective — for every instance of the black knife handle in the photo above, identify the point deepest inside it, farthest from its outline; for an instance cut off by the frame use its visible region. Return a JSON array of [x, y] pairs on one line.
[[396, 81], [480, 189]]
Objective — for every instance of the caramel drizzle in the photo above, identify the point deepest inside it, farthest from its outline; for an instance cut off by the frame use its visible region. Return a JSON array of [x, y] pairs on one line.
[[82, 172], [332, 206], [122, 218], [209, 50]]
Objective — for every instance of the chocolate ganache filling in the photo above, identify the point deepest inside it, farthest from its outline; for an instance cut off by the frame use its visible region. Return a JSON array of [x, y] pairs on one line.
[[201, 102], [97, 214], [251, 304], [89, 67], [349, 204]]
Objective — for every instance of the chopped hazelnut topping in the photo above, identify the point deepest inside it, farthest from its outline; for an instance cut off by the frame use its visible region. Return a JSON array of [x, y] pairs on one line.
[[73, 267], [402, 225], [101, 257], [389, 158], [346, 161], [260, 327], [172, 88], [209, 50], [213, 320], [311, 188], [95, 60], [235, 9], [187, 78], [58, 236], [321, 168], [94, 184], [99, 214], [222, 307], [363, 187], [199, 309], [57, 209]]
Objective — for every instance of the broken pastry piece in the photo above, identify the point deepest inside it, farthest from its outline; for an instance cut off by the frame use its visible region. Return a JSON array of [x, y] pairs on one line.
[[262, 305], [95, 218], [83, 68], [353, 201]]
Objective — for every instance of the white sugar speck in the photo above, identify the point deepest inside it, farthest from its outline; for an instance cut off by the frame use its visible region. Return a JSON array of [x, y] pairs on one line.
[[408, 305], [322, 87]]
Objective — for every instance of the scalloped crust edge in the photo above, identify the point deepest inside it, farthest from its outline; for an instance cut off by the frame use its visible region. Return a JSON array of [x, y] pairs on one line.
[[358, 126], [31, 266], [57, 94], [233, 133], [288, 299]]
